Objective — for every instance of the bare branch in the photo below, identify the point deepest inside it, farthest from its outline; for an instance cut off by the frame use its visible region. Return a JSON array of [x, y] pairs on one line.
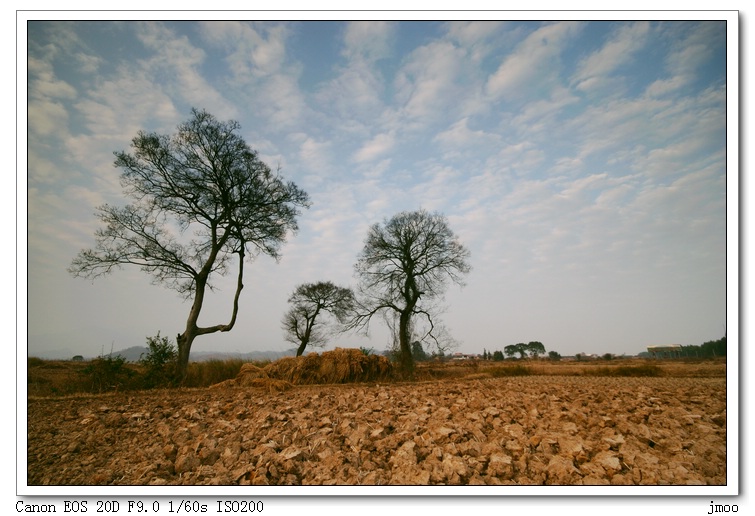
[[403, 268], [199, 197]]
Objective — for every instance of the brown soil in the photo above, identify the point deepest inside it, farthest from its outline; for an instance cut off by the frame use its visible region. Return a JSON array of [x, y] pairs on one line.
[[563, 430]]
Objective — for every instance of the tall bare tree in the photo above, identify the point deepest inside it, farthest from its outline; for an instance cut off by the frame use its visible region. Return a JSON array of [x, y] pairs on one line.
[[403, 270], [302, 324], [200, 198]]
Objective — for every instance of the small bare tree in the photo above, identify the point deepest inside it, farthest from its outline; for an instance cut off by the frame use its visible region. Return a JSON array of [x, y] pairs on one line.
[[403, 270], [302, 323], [204, 181]]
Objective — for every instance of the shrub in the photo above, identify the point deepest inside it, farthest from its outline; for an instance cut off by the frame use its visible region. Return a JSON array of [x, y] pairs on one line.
[[160, 362], [108, 373]]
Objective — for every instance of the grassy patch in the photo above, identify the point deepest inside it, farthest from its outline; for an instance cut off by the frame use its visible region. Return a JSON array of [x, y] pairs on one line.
[[511, 370], [34, 362], [626, 370], [210, 372]]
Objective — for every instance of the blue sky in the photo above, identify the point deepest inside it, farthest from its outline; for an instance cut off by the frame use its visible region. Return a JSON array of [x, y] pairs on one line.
[[583, 164]]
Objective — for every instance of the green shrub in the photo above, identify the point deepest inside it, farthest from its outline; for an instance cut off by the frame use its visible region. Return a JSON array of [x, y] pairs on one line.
[[108, 373], [160, 362]]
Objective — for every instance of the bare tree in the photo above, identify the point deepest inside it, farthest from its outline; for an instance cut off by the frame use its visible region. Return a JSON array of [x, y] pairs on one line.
[[302, 323], [403, 270], [200, 197]]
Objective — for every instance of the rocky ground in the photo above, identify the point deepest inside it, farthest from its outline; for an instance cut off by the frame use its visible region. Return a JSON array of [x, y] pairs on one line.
[[564, 430]]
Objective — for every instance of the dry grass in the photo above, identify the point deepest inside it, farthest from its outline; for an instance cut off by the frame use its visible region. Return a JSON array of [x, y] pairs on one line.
[[210, 372], [338, 366], [60, 378]]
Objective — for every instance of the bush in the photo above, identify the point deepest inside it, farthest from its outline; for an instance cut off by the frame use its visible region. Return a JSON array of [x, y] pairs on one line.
[[108, 373], [160, 362]]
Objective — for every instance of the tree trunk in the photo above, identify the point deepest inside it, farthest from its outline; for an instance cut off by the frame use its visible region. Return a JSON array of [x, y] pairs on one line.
[[307, 333], [185, 339], [406, 361]]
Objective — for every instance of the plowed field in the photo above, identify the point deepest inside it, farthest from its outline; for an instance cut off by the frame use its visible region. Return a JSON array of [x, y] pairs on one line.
[[563, 430]]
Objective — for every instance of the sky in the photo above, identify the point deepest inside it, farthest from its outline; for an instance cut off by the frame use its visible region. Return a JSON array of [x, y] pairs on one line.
[[582, 163]]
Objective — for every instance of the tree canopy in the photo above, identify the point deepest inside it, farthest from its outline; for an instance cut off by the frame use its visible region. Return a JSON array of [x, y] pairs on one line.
[[403, 270], [199, 198], [534, 348], [308, 303]]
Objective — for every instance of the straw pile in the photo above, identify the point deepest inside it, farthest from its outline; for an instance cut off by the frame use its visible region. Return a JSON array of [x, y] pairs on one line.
[[255, 377], [337, 366]]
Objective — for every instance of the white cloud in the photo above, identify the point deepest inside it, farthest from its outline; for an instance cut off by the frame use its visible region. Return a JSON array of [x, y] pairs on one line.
[[354, 95], [252, 50], [46, 110], [532, 65], [460, 135], [368, 40], [426, 86], [378, 146], [473, 33], [578, 186], [692, 45], [541, 116], [663, 87], [46, 117], [612, 56], [261, 78]]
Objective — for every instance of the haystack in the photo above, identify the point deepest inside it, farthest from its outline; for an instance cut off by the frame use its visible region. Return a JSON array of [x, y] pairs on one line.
[[342, 365], [271, 385], [248, 373], [249, 376]]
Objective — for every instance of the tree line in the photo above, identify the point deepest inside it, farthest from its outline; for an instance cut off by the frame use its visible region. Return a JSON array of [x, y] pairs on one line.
[[708, 349], [203, 203]]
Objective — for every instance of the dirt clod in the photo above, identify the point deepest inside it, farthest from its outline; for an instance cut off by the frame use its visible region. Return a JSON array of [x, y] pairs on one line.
[[511, 430]]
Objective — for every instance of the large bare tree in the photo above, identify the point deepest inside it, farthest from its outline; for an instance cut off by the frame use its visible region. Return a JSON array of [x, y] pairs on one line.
[[202, 199], [403, 270], [303, 325]]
